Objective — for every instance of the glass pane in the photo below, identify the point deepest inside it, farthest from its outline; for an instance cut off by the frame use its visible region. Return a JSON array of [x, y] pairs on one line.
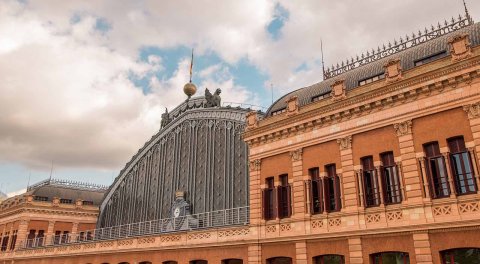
[[462, 256], [391, 258]]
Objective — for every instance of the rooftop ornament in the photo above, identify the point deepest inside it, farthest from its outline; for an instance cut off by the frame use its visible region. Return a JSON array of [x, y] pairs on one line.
[[400, 45], [69, 184]]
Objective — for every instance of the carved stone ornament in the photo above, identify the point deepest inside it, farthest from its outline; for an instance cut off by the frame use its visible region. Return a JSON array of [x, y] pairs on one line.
[[403, 128], [292, 105], [296, 155], [345, 143], [393, 70], [473, 110], [338, 90], [213, 100], [460, 47], [252, 119], [255, 165]]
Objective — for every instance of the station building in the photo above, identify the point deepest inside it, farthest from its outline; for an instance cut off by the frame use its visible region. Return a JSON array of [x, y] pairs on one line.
[[378, 163]]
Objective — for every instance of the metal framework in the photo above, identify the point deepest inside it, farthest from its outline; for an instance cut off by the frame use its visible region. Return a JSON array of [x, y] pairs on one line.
[[398, 46], [221, 218]]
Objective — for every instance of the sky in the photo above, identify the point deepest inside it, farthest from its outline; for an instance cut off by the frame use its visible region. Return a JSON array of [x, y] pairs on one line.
[[83, 83]]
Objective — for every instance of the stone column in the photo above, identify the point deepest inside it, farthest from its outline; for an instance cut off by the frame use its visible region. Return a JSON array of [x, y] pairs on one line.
[[255, 192], [301, 252], [298, 189], [380, 186], [423, 252], [355, 249], [22, 233], [426, 184], [475, 167], [49, 234], [348, 174], [254, 254], [473, 112], [411, 176]]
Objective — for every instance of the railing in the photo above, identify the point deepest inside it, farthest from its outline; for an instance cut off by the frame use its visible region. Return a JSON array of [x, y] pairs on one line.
[[244, 105], [69, 183], [398, 46], [227, 217]]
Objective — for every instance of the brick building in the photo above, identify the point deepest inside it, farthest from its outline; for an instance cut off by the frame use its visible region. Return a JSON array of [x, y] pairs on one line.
[[378, 163]]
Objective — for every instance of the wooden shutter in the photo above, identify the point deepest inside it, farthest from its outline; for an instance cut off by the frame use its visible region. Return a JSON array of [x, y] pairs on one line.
[[336, 183], [326, 194], [289, 200]]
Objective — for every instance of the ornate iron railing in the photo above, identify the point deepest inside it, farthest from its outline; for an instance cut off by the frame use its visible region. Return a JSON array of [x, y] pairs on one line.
[[221, 218], [398, 46], [69, 183], [244, 105]]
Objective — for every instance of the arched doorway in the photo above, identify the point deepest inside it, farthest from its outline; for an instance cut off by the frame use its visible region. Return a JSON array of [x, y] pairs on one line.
[[232, 261], [329, 259], [390, 258], [461, 256], [279, 260]]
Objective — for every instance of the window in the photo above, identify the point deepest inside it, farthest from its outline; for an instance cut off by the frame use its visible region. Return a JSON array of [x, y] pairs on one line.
[[332, 189], [320, 96], [436, 171], [198, 262], [169, 262], [87, 202], [56, 238], [371, 79], [390, 258], [269, 200], [283, 193], [14, 240], [329, 259], [65, 237], [40, 198], [461, 166], [232, 261], [461, 256], [5, 241], [145, 262], [316, 191], [279, 260], [283, 110], [31, 238], [40, 237], [430, 58], [370, 183], [66, 201], [390, 179]]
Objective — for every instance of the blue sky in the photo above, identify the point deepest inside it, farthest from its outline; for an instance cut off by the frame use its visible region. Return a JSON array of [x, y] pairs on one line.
[[100, 74]]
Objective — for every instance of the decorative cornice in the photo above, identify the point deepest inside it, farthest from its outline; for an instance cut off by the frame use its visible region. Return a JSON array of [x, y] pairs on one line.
[[255, 165], [473, 110], [403, 128], [363, 104], [345, 143], [296, 155]]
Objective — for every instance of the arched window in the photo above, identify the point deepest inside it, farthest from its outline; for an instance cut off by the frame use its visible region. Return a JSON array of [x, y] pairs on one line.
[[199, 262], [279, 260], [390, 258], [329, 259], [461, 256], [232, 261], [123, 263], [145, 262], [169, 262]]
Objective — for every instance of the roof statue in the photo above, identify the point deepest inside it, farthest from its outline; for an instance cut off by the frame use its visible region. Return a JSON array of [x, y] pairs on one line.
[[165, 118], [213, 100]]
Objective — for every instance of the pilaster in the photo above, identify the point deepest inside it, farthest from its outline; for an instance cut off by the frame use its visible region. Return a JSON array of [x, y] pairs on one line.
[[22, 232], [355, 250], [409, 165], [301, 252], [423, 252], [348, 175], [254, 254], [255, 192], [49, 234], [298, 188]]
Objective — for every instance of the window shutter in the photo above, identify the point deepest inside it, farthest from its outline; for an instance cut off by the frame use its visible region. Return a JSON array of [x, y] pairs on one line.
[[383, 182], [264, 204], [309, 187], [326, 195], [338, 202], [289, 200]]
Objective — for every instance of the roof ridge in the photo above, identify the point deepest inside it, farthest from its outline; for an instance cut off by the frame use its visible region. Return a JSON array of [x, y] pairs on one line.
[[398, 46]]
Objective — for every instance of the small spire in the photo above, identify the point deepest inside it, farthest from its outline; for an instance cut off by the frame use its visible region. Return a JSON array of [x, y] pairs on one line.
[[467, 14], [323, 64], [191, 66]]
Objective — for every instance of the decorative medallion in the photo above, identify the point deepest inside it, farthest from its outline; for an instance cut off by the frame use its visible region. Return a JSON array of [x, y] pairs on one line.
[[403, 128], [460, 47]]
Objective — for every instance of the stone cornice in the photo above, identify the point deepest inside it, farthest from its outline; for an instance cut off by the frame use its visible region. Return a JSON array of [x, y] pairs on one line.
[[406, 90]]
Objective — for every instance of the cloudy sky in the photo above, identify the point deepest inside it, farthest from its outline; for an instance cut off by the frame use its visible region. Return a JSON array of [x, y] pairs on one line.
[[83, 83]]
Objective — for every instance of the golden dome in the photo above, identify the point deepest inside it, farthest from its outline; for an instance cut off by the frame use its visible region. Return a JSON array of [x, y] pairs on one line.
[[189, 89]]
